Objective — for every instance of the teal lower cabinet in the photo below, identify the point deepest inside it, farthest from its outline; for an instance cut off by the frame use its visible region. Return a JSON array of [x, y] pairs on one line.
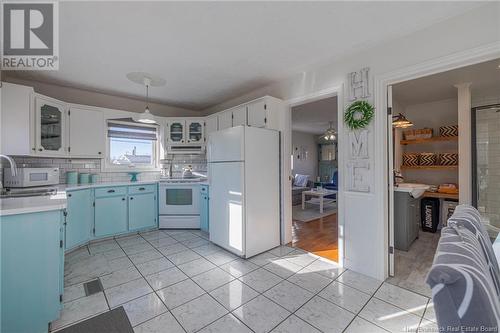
[[79, 217], [110, 217], [142, 211], [204, 225], [32, 266]]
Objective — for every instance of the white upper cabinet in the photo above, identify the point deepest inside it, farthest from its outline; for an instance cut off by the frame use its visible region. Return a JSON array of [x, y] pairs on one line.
[[176, 131], [239, 115], [86, 132], [50, 127], [225, 119], [17, 124], [194, 131], [257, 113], [210, 126], [185, 131]]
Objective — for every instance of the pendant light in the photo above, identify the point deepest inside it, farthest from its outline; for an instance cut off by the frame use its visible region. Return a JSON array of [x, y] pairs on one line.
[[147, 117], [147, 80], [330, 134], [400, 121]]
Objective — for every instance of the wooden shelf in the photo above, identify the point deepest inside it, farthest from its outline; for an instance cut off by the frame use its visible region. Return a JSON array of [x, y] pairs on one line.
[[430, 140], [440, 195], [430, 167]]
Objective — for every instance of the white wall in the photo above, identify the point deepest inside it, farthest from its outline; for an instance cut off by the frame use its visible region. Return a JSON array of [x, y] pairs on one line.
[[365, 233], [92, 98], [307, 166]]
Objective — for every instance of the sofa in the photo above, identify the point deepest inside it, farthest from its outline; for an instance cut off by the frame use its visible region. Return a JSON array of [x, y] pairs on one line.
[[298, 187], [465, 277]]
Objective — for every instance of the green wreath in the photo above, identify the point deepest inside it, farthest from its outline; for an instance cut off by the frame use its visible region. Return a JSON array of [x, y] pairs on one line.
[[359, 114]]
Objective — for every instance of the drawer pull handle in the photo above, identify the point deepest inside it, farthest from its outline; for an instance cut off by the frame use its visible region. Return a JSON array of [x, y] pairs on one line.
[[111, 191], [141, 188]]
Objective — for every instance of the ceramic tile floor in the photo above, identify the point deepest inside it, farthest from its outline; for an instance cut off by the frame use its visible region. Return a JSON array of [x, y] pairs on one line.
[[177, 281]]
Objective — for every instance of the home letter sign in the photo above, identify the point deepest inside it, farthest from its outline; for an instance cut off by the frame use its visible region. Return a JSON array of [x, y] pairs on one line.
[[359, 84], [358, 144], [358, 176]]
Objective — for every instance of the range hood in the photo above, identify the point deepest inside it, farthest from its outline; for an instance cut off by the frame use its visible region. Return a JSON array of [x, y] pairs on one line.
[[186, 149]]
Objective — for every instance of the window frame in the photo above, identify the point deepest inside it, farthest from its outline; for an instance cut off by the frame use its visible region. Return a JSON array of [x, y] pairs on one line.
[[107, 166]]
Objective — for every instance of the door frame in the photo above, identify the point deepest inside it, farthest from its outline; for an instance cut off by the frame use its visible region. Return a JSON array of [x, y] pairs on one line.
[[337, 91], [435, 66]]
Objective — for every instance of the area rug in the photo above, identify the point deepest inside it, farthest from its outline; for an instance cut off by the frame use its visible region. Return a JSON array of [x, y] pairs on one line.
[[311, 212], [114, 321]]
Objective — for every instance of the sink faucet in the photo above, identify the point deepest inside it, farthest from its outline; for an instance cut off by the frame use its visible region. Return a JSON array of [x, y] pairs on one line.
[[13, 166], [398, 177]]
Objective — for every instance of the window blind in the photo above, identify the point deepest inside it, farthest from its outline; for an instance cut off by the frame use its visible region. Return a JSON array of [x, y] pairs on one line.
[[125, 131]]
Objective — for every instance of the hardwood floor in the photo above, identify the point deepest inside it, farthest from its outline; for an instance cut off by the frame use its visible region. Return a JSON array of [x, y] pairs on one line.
[[318, 236]]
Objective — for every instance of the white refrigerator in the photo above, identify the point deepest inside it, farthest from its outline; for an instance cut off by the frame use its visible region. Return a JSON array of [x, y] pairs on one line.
[[244, 179]]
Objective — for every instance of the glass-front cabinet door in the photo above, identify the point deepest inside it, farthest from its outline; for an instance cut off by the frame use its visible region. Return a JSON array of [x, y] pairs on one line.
[[50, 127], [176, 131], [194, 131]]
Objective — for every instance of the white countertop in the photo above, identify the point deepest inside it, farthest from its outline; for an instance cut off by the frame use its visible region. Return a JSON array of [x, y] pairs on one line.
[[13, 206], [69, 187], [34, 204]]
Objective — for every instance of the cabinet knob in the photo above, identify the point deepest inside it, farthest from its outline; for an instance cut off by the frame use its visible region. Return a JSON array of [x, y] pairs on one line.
[[69, 194], [34, 149], [131, 198], [99, 153], [40, 149], [123, 199]]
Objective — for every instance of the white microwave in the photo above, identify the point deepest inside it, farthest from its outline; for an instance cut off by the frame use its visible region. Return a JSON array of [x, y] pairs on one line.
[[29, 177]]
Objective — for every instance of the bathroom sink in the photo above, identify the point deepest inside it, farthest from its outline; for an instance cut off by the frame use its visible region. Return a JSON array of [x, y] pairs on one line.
[[413, 189]]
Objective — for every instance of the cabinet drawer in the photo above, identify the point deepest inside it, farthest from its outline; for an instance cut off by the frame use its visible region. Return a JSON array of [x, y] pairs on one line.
[[137, 189], [204, 189], [110, 191]]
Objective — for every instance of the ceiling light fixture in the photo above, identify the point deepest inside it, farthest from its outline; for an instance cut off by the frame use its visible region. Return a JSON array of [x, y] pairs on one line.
[[330, 134], [146, 117], [400, 121], [147, 80]]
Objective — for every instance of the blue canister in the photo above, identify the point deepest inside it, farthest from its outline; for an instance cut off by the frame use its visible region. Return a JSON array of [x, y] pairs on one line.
[[72, 177], [84, 178], [94, 178]]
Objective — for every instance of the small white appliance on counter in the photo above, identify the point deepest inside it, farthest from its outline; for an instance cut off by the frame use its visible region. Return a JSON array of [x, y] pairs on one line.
[[179, 204], [29, 177], [244, 178]]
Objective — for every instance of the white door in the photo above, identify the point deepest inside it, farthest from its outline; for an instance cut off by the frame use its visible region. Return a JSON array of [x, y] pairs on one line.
[[390, 188], [225, 120], [50, 128], [210, 126], [194, 131], [257, 114], [226, 206], [240, 116], [86, 132]]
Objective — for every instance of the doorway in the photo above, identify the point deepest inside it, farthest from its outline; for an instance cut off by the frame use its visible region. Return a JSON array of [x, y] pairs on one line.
[[424, 140], [314, 165]]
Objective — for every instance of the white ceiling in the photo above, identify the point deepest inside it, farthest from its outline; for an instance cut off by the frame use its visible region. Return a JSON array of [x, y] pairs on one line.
[[209, 52], [484, 79], [314, 117]]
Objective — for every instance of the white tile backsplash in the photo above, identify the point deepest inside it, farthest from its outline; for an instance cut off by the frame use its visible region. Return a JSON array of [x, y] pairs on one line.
[[87, 165]]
